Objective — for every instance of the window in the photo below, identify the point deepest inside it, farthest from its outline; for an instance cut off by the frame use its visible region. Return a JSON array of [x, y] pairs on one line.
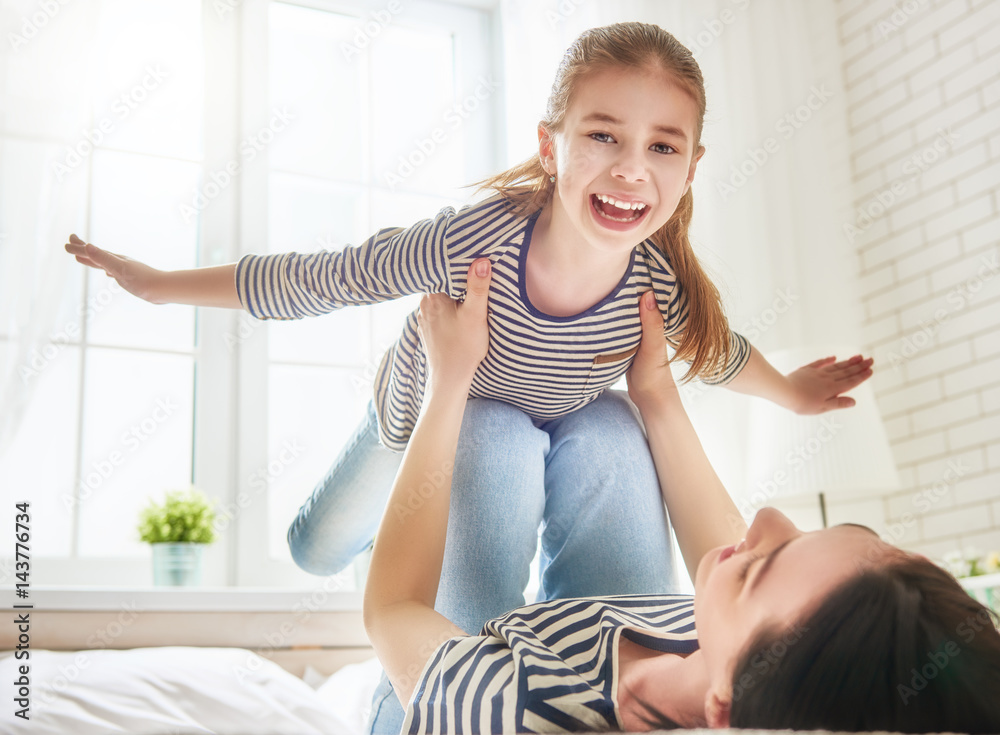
[[106, 148], [341, 118]]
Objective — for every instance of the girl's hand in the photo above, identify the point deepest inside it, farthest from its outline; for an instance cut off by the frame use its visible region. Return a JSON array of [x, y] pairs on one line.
[[137, 278], [456, 334], [649, 378], [817, 387]]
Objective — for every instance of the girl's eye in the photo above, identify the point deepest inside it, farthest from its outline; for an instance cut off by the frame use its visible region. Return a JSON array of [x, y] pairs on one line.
[[602, 137], [746, 567], [663, 148]]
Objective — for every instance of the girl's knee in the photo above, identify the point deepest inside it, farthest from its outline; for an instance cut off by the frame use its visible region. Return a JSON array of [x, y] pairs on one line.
[[488, 409], [487, 418], [609, 423], [312, 564], [617, 406], [311, 555]]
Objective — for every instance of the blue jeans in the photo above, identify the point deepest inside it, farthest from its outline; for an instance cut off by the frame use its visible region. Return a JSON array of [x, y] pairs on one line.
[[586, 479]]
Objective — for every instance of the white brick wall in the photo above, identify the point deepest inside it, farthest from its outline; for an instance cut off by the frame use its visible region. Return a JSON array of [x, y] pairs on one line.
[[923, 89]]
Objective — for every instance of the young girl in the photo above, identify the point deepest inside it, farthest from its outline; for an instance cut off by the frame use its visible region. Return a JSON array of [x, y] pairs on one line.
[[573, 236], [832, 630]]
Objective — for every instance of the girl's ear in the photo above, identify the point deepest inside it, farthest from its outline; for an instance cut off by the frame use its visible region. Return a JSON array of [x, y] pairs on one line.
[[717, 704], [694, 165], [546, 149]]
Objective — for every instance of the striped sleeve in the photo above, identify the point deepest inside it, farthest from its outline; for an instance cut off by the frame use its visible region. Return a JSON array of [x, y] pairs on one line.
[[392, 263], [739, 355]]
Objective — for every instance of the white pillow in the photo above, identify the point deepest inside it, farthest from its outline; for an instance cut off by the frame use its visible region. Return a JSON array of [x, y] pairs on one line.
[[349, 690], [175, 690]]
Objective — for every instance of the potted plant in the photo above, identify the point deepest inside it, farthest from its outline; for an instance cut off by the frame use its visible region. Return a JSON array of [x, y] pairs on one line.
[[178, 530], [978, 573]]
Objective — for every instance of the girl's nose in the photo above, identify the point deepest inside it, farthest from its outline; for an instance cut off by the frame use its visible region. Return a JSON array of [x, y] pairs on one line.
[[629, 166], [770, 527]]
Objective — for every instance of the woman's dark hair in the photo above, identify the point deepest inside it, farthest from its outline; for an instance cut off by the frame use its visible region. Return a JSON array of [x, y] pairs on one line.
[[900, 647]]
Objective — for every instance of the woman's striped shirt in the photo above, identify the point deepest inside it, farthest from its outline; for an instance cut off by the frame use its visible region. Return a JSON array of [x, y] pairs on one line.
[[548, 667], [545, 365]]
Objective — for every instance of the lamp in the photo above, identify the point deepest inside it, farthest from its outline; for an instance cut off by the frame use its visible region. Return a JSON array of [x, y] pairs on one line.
[[841, 451]]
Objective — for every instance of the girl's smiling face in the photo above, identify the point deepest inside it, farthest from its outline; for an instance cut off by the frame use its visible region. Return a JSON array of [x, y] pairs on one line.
[[623, 157]]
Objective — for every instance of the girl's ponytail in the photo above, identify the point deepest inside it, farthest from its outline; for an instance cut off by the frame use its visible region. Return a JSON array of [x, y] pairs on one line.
[[526, 186], [705, 341]]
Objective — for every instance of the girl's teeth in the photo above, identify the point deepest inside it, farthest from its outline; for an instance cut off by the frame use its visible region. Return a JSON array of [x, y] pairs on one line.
[[634, 209], [621, 205]]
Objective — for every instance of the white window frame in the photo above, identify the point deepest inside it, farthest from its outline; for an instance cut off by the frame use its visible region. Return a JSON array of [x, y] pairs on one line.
[[252, 565], [231, 365]]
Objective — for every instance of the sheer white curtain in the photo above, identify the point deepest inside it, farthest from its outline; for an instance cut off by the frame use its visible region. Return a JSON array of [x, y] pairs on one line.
[[34, 275], [772, 193], [41, 101]]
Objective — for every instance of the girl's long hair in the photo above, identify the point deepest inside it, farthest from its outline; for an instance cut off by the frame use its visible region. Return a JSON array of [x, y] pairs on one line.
[[705, 341]]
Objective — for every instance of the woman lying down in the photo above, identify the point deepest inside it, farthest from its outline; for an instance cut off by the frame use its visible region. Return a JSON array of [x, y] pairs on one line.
[[830, 629]]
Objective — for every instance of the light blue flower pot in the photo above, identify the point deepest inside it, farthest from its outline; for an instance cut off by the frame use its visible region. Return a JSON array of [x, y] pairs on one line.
[[177, 565]]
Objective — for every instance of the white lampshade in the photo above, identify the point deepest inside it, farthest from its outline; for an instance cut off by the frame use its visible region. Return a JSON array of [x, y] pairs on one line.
[[842, 451]]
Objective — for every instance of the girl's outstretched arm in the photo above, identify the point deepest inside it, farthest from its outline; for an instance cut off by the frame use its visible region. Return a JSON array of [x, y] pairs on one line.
[[406, 561], [211, 286], [700, 509], [813, 388]]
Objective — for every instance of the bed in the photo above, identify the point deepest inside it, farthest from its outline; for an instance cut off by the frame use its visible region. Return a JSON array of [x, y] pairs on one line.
[[131, 668], [122, 670]]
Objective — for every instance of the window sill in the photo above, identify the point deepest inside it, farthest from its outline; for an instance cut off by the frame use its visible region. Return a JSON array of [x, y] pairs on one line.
[[193, 599]]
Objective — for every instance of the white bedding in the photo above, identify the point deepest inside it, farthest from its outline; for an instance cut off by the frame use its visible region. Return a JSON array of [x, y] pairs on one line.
[[178, 690], [181, 690]]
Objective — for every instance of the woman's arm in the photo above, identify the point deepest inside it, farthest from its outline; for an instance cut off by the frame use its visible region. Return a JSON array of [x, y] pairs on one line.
[[700, 509], [406, 561], [211, 286]]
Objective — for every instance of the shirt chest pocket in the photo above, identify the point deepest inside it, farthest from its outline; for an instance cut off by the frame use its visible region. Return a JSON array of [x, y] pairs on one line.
[[607, 368]]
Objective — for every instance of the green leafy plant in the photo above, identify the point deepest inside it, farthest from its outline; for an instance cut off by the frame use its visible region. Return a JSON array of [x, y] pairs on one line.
[[185, 516], [970, 563]]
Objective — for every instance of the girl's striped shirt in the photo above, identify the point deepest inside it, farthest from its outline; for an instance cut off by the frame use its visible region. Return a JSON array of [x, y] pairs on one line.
[[545, 365], [548, 667]]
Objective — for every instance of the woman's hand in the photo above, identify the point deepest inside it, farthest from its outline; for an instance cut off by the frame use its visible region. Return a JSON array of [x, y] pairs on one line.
[[701, 512], [817, 387], [137, 278], [456, 334], [649, 378]]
